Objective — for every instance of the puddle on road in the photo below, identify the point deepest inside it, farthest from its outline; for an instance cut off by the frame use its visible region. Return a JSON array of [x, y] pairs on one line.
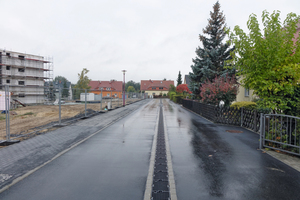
[[4, 177]]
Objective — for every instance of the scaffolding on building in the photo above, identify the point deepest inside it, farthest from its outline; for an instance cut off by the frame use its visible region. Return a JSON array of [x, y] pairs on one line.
[[26, 75]]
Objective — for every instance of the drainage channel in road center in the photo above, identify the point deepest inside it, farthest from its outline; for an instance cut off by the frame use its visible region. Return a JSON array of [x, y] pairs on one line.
[[160, 183], [160, 187]]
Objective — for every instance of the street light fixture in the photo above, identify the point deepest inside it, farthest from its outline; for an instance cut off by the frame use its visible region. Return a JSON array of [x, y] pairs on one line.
[[123, 87]]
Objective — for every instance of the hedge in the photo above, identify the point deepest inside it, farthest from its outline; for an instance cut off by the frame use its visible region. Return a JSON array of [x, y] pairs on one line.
[[244, 104]]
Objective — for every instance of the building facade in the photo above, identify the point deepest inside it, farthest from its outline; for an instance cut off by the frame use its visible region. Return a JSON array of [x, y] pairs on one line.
[[187, 80], [25, 75], [156, 87], [109, 89]]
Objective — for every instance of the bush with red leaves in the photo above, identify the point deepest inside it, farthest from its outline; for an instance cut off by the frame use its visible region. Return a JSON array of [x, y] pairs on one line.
[[183, 88], [220, 89]]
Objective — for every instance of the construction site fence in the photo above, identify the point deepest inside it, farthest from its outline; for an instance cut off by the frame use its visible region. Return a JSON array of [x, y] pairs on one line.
[[28, 111]]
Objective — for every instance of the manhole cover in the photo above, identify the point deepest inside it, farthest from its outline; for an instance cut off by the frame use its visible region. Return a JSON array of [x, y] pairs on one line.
[[234, 131]]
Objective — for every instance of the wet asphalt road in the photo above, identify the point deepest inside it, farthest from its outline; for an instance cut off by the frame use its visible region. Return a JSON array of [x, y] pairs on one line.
[[211, 163], [208, 163], [113, 164]]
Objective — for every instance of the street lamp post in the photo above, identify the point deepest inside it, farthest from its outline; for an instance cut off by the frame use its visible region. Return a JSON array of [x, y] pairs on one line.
[[123, 87]]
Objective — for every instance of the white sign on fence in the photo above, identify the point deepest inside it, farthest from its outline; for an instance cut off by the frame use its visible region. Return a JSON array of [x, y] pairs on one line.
[[89, 97], [2, 100]]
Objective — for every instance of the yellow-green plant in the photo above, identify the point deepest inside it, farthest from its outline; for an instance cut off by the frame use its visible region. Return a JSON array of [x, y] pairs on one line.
[[269, 59], [244, 104]]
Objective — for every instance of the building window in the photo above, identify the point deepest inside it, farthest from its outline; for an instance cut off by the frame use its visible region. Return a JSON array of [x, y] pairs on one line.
[[21, 69], [7, 81], [21, 94], [22, 57], [100, 88], [246, 92], [108, 95], [108, 88], [161, 88], [7, 67], [8, 54], [153, 88], [21, 82]]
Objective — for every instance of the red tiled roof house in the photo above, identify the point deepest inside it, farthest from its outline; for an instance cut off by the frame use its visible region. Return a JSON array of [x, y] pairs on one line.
[[155, 87], [109, 88]]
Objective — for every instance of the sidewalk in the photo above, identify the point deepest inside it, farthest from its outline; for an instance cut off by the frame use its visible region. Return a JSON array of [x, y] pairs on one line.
[[290, 160], [19, 159]]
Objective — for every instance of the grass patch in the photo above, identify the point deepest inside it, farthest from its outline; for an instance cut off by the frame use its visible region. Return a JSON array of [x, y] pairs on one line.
[[2, 117], [29, 113]]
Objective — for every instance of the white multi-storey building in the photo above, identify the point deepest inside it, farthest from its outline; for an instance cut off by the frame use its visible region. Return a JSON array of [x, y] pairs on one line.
[[25, 74]]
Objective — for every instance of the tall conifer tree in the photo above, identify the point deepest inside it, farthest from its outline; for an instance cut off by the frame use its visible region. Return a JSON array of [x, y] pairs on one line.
[[179, 79], [211, 57]]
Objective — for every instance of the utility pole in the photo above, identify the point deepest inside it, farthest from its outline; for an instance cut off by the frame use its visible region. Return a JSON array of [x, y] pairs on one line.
[[123, 87]]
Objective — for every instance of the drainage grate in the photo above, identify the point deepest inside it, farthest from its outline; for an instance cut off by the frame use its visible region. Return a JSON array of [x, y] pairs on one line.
[[160, 188], [160, 195], [161, 185]]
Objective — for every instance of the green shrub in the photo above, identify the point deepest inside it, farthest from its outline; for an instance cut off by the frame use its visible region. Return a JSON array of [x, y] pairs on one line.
[[264, 110], [177, 98], [244, 104], [165, 94], [29, 113], [171, 94]]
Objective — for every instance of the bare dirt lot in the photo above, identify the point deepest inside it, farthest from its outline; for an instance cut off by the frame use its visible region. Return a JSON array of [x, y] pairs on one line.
[[31, 118]]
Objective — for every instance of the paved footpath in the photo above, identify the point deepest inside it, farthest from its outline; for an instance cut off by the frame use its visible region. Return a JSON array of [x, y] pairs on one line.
[[19, 159], [211, 163]]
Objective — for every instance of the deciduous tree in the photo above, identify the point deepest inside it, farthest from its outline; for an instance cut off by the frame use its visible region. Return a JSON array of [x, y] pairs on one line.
[[82, 83], [61, 82], [269, 59], [130, 89], [136, 85], [83, 80]]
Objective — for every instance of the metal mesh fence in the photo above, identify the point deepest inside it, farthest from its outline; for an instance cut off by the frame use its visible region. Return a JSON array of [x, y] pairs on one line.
[[27, 110], [281, 132]]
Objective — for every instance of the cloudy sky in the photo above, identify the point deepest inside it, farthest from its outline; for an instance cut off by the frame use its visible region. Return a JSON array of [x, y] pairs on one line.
[[151, 39]]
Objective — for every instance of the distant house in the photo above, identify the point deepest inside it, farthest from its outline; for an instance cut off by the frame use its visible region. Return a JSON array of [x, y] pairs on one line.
[[245, 94], [156, 87], [111, 88], [187, 80]]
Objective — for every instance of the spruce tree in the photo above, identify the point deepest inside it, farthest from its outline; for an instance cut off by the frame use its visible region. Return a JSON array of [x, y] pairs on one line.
[[179, 79], [211, 57]]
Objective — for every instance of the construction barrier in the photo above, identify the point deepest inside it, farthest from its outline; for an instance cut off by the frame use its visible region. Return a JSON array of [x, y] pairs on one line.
[[34, 110]]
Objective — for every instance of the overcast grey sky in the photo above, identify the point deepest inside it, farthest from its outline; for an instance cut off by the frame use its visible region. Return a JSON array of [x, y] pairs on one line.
[[151, 39]]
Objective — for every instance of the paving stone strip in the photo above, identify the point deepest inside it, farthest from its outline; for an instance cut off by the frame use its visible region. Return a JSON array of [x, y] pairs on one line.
[[160, 181], [18, 159]]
